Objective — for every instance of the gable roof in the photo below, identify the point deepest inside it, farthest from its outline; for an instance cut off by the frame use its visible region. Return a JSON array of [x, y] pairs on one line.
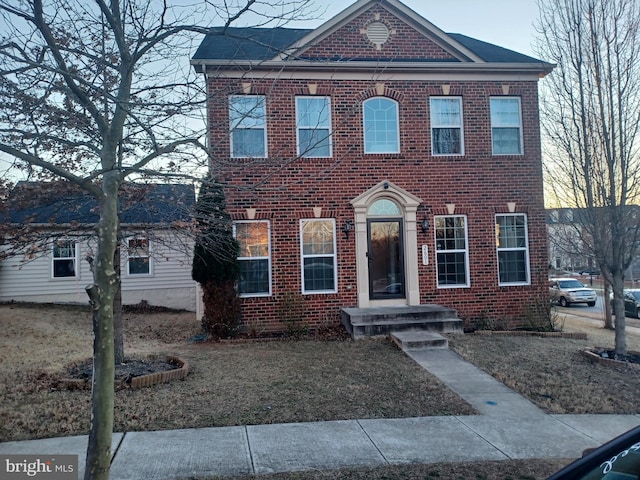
[[276, 48], [49, 204]]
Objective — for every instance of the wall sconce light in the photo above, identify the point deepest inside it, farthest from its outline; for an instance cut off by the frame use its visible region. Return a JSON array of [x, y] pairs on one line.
[[348, 226], [424, 225]]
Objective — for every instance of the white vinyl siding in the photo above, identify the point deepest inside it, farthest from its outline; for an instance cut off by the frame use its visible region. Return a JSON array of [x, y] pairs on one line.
[[170, 286]]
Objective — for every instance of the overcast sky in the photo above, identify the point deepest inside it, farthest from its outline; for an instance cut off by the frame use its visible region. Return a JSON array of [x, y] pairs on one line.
[[507, 23]]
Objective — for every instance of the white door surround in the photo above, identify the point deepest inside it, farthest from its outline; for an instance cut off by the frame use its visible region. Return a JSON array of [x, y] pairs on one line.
[[409, 205]]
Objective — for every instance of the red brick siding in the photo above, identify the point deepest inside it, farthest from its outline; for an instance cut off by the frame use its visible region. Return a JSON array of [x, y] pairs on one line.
[[349, 41], [284, 189]]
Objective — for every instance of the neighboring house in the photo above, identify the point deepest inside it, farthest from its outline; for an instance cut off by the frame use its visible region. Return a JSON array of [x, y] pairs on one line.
[[570, 244], [378, 161], [48, 255]]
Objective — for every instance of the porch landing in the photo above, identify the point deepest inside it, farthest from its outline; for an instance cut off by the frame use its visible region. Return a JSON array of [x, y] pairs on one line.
[[368, 322]]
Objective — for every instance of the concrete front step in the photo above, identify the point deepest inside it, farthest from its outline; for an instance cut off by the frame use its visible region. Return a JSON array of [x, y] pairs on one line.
[[418, 340], [367, 322]]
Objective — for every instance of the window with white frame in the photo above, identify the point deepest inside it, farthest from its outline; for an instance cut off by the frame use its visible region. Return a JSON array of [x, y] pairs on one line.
[[254, 257], [248, 124], [64, 259], [506, 126], [138, 256], [381, 126], [446, 126], [318, 247], [513, 249], [313, 119], [452, 252]]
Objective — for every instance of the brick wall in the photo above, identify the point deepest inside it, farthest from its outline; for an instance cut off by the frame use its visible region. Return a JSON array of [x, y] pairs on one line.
[[284, 189]]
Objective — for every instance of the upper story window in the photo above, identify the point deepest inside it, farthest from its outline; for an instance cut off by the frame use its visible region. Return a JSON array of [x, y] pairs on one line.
[[319, 262], [138, 256], [254, 279], [64, 259], [313, 119], [381, 126], [447, 136], [248, 124], [452, 251], [513, 249], [506, 126]]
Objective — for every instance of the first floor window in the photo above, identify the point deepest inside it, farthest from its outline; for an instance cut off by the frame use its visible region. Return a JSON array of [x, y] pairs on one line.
[[138, 258], [254, 257], [513, 250], [318, 247], [506, 126], [452, 255], [64, 259], [446, 126]]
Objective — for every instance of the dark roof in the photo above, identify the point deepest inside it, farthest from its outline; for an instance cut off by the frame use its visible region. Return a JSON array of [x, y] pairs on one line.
[[492, 53], [247, 43], [258, 44], [152, 204]]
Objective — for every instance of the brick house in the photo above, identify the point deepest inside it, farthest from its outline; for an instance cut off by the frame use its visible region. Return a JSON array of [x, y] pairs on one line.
[[377, 161]]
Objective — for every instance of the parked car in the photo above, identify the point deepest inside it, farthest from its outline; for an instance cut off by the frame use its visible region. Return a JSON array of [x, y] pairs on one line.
[[616, 459], [631, 303], [567, 291]]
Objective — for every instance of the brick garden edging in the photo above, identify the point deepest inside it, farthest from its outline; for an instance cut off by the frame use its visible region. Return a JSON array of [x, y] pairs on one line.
[[595, 358], [178, 373]]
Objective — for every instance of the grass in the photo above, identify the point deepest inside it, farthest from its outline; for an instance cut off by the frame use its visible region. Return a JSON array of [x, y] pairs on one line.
[[257, 382]]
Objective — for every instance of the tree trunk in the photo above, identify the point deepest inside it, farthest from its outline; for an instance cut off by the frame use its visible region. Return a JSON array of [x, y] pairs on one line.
[[608, 321], [618, 299], [102, 294], [118, 333]]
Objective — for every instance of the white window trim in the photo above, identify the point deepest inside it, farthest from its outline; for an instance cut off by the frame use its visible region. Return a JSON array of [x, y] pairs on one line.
[[515, 249], [364, 126], [520, 128], [76, 265], [149, 256], [323, 255], [465, 251], [314, 127], [444, 125], [264, 129], [268, 258]]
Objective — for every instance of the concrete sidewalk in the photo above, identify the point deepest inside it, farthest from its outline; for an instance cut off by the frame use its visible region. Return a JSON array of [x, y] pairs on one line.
[[509, 427]]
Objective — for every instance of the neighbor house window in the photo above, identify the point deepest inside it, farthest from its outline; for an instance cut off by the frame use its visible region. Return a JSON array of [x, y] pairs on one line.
[[506, 126], [446, 126], [138, 257], [381, 130], [513, 250], [318, 247], [452, 254], [247, 119], [313, 116], [64, 259], [254, 257]]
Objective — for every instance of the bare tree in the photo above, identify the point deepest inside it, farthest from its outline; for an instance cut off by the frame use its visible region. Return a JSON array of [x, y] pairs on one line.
[[96, 93], [591, 117]]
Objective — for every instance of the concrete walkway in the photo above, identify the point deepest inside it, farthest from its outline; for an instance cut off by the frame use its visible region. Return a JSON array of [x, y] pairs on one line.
[[509, 427]]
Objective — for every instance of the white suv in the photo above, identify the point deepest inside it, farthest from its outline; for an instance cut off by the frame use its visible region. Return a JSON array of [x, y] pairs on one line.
[[565, 291]]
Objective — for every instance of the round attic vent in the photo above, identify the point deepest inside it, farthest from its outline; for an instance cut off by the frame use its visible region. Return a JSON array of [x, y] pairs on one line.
[[377, 33]]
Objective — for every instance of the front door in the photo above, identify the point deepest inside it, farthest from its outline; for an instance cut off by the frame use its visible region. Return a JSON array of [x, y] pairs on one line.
[[385, 256]]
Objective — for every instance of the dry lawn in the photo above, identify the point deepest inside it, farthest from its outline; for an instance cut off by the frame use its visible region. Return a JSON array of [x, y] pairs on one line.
[[291, 381]]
